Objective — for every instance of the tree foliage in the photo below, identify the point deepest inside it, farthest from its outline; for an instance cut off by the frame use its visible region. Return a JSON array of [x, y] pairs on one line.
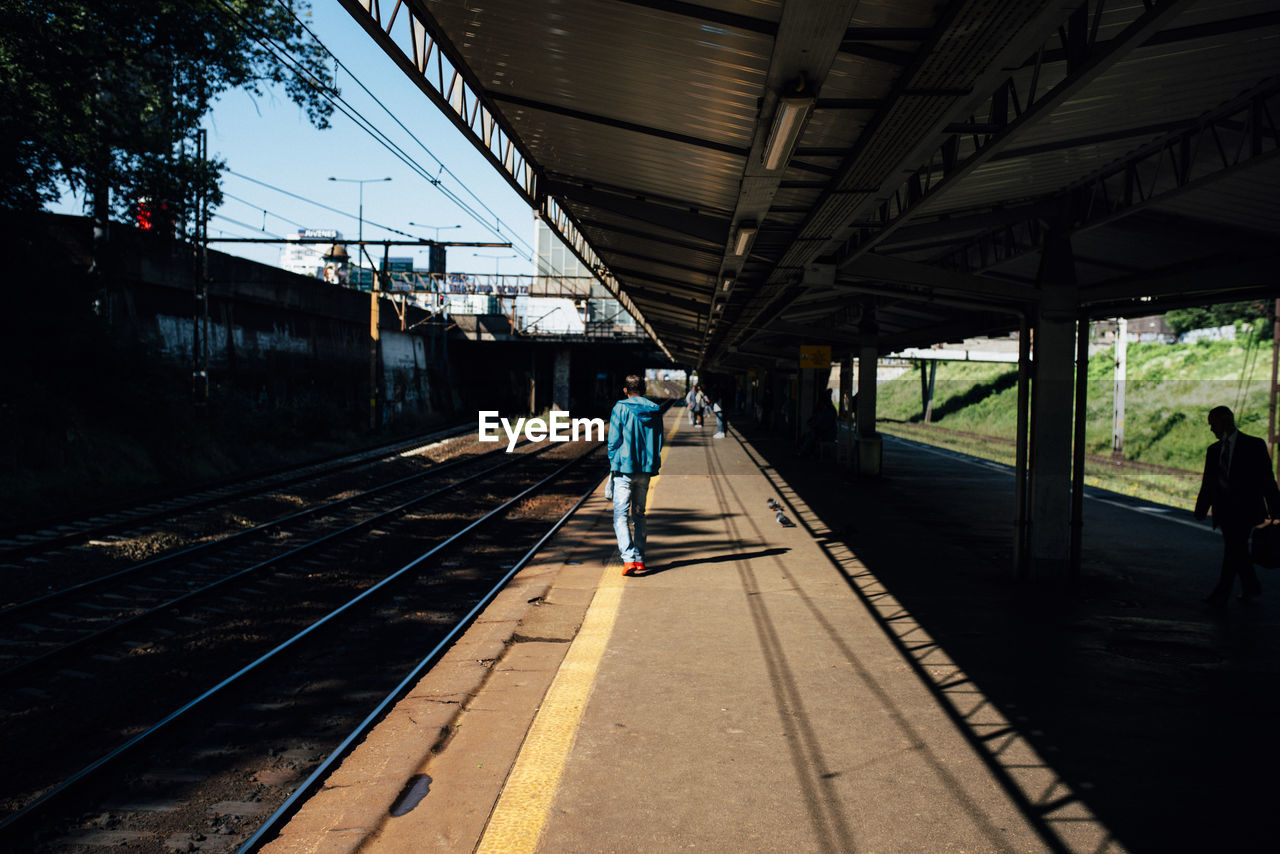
[[107, 95], [1222, 314]]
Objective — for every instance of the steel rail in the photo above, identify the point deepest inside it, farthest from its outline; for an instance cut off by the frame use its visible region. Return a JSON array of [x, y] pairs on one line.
[[294, 802], [57, 652], [237, 489], [222, 541], [17, 819]]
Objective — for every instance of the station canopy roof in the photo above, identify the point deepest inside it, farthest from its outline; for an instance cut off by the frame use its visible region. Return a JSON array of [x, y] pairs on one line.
[[751, 175]]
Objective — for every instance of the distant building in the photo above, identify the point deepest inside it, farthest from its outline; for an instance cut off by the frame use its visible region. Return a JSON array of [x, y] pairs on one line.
[[362, 277], [1140, 329], [587, 306], [307, 259]]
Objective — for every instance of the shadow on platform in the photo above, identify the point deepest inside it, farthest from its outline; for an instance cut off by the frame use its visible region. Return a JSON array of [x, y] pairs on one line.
[[1110, 709]]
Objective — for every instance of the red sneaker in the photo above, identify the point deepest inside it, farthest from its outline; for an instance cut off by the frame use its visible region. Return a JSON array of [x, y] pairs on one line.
[[628, 568], [637, 567]]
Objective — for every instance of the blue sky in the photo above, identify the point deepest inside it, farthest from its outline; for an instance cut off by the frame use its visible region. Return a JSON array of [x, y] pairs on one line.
[[269, 139]]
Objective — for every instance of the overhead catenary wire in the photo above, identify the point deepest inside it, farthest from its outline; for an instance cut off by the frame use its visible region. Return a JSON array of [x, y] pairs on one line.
[[345, 108], [246, 225], [338, 63], [320, 205], [265, 211]]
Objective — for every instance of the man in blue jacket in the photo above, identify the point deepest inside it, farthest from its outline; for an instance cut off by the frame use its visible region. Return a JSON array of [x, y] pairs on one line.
[[635, 448]]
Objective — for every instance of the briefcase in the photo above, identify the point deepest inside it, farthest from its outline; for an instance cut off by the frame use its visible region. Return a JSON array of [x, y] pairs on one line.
[[1266, 544]]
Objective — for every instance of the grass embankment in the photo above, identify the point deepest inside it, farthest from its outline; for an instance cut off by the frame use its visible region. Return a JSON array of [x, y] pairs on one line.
[[1169, 390]]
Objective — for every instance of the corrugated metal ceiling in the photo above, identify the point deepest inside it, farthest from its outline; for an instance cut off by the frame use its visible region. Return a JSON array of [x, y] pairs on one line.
[[645, 119]]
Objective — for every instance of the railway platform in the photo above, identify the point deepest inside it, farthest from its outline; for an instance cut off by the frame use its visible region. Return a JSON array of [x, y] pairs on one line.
[[868, 677]]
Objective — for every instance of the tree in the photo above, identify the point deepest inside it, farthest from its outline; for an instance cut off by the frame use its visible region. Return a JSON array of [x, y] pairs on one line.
[[1220, 314], [107, 95]]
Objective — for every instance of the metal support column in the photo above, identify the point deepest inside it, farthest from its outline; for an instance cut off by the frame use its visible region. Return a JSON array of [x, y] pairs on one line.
[[1275, 370], [1020, 564], [928, 397], [200, 276], [1077, 444], [375, 392], [846, 388], [869, 443], [1049, 534], [1117, 412], [560, 380]]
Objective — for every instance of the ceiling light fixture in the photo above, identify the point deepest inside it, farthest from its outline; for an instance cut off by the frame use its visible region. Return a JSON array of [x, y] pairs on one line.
[[746, 233], [727, 282], [788, 121]]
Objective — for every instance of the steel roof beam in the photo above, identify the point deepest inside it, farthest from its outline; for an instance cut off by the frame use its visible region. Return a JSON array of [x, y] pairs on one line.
[[944, 170], [808, 40], [929, 296], [950, 331], [1239, 136], [887, 34], [1200, 278], [879, 53], [700, 272], [619, 124], [813, 332], [730, 20], [648, 282], [882, 268], [1229, 26], [945, 231], [683, 221], [705, 246], [1093, 139], [904, 131]]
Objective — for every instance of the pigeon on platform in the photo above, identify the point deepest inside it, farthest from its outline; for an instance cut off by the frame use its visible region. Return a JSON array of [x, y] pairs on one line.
[[783, 520]]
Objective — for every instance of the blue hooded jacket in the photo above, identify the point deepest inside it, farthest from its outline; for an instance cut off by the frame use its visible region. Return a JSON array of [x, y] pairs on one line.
[[635, 436]]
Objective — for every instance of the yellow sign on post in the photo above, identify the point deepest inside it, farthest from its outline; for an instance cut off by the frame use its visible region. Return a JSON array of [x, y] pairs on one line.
[[815, 356]]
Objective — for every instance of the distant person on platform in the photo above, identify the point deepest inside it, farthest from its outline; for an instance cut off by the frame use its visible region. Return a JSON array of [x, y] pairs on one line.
[[1240, 488], [635, 449], [700, 404], [691, 404], [821, 425]]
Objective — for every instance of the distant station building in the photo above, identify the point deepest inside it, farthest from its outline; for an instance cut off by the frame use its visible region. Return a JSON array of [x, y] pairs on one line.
[[307, 259], [585, 305]]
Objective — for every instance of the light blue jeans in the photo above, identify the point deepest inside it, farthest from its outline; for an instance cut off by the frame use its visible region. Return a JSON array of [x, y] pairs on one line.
[[630, 492]]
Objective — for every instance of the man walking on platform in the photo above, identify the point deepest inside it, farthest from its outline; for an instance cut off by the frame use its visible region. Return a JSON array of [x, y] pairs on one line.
[[1239, 486], [635, 448]]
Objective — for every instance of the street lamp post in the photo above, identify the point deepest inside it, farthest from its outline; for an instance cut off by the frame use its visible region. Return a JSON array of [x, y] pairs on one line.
[[375, 390], [436, 228], [361, 182], [498, 259]]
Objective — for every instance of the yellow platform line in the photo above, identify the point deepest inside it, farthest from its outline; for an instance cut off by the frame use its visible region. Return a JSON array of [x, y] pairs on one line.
[[521, 812]]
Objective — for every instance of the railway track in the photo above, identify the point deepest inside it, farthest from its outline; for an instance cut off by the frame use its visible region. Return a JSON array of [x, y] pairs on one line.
[[62, 533], [230, 671], [920, 432], [52, 564], [44, 630]]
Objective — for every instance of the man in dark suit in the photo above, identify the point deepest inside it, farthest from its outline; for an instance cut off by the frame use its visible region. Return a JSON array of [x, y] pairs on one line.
[[1239, 486]]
